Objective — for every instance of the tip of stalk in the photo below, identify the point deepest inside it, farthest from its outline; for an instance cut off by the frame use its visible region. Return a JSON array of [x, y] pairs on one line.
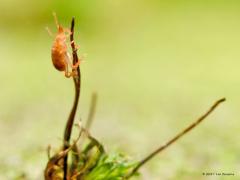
[[222, 100]]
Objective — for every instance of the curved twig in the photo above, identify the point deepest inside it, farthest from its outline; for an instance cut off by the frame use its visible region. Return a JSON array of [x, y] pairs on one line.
[[173, 140]]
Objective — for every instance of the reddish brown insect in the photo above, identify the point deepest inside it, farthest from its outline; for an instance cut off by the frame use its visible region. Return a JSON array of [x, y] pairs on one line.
[[61, 58]]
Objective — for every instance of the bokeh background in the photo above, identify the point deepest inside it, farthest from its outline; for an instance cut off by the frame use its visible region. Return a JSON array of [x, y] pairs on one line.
[[156, 66]]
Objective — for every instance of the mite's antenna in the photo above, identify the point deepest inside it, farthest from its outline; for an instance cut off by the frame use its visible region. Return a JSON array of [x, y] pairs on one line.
[[49, 31], [55, 19]]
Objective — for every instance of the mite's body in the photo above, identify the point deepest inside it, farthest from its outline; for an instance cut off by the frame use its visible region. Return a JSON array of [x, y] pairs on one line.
[[60, 57]]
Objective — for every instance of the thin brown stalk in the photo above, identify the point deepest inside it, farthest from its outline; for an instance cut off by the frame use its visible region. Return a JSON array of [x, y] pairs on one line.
[[92, 111], [77, 83], [174, 139]]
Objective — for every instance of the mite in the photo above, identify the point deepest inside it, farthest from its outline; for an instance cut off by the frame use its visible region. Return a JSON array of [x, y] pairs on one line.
[[61, 58]]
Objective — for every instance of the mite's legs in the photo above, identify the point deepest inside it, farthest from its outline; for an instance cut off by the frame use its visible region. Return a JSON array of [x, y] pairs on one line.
[[56, 20], [68, 74], [68, 64], [69, 61], [49, 31], [75, 66], [76, 46], [68, 33], [79, 59]]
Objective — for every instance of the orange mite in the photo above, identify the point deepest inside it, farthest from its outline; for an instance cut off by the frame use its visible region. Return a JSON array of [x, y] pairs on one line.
[[61, 58]]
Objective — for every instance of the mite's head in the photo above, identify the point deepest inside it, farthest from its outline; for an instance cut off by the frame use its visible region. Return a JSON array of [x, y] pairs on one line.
[[60, 29]]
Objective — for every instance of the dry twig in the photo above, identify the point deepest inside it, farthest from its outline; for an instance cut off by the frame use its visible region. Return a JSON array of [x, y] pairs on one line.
[[173, 140]]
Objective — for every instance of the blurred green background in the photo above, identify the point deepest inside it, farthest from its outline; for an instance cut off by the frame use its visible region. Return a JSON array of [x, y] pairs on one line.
[[156, 66]]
